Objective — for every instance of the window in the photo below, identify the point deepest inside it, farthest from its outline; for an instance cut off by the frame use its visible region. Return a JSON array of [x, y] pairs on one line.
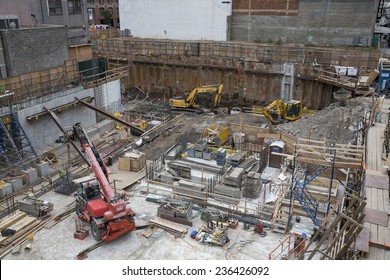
[[74, 7], [91, 2], [101, 2], [101, 11], [55, 7]]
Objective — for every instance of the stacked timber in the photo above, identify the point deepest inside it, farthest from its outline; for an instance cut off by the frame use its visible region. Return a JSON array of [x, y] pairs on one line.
[[15, 228], [237, 158], [190, 189], [251, 185], [234, 177], [227, 192], [248, 164]]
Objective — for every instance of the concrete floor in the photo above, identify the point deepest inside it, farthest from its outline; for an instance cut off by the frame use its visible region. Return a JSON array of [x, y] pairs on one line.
[[57, 243]]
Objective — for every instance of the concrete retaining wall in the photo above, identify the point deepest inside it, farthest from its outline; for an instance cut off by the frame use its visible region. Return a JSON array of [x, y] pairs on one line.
[[44, 131]]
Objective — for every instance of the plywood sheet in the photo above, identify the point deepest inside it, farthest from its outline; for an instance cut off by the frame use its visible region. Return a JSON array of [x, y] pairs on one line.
[[375, 217], [377, 181]]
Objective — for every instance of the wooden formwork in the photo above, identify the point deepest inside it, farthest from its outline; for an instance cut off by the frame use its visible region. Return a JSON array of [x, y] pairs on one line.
[[38, 83]]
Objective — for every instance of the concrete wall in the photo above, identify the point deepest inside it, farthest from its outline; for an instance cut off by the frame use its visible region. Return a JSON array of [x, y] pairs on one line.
[[43, 131], [74, 20], [27, 50], [3, 70], [175, 19], [316, 22], [23, 9]]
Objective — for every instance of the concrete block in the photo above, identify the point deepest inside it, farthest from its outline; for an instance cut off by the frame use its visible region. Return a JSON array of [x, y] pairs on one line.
[[17, 184], [42, 169], [30, 176], [93, 131], [6, 190]]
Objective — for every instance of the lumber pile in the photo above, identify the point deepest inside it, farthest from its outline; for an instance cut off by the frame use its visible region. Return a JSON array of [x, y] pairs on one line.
[[234, 177], [169, 226], [22, 224]]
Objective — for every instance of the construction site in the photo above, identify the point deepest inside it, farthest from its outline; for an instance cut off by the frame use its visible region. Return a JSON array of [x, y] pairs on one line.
[[164, 149]]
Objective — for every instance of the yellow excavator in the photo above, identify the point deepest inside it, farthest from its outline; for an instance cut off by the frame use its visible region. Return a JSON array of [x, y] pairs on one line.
[[191, 101], [278, 111]]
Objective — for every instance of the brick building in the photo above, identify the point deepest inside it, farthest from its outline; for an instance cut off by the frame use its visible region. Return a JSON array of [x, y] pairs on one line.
[[103, 12]]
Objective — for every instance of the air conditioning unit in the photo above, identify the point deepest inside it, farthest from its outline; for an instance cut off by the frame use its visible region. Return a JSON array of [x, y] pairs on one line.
[[9, 22]]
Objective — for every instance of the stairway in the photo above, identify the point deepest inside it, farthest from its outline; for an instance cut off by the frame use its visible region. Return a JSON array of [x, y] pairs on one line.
[[303, 195]]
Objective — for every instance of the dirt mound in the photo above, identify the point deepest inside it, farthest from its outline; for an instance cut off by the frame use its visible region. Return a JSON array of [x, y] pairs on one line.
[[335, 122]]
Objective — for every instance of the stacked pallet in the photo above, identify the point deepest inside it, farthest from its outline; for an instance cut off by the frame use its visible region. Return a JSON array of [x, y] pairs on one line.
[[199, 148], [227, 192], [251, 185], [237, 158], [221, 156], [234, 177]]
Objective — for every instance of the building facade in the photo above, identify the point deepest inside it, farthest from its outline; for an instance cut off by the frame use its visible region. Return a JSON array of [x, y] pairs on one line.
[[319, 22], [71, 13], [103, 12], [176, 19]]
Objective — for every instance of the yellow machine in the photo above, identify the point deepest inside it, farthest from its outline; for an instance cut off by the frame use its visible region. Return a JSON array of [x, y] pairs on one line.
[[279, 110], [191, 103]]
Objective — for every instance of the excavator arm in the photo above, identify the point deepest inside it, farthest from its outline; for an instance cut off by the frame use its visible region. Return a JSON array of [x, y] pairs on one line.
[[190, 99], [274, 111]]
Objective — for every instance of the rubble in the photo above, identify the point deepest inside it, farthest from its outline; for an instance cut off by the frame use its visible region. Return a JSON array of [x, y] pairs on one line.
[[335, 122]]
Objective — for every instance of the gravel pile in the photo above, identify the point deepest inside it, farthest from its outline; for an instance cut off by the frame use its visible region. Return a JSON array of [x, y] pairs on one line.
[[334, 122]]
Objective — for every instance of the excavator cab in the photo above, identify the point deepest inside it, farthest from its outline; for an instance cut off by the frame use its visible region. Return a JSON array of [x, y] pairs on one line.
[[293, 110]]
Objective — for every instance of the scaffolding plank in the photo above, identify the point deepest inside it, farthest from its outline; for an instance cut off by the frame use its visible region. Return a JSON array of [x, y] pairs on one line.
[[375, 217], [377, 181]]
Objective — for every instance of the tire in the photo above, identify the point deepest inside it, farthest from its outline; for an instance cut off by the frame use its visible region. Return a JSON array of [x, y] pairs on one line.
[[79, 209], [96, 231], [131, 219]]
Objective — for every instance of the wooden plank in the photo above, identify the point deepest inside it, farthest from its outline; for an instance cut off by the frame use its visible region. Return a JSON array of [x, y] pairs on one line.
[[374, 199], [381, 206], [268, 135], [19, 226], [382, 233], [374, 232], [375, 217], [168, 224], [5, 223], [368, 192]]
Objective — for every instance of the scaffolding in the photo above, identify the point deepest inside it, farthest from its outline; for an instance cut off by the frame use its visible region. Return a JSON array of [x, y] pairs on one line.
[[15, 146], [313, 158]]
